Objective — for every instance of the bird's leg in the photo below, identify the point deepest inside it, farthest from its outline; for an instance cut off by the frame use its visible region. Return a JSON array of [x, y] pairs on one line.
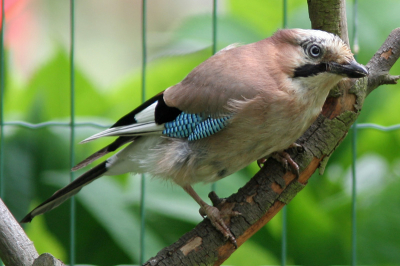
[[214, 214]]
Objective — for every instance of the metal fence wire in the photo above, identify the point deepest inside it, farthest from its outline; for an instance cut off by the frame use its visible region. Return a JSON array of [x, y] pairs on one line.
[[72, 125]]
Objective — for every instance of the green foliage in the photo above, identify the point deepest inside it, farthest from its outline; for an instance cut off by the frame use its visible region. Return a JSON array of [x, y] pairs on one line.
[[108, 220]]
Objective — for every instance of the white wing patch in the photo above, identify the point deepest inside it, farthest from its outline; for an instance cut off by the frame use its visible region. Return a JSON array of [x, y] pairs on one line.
[[145, 125], [138, 129], [147, 114]]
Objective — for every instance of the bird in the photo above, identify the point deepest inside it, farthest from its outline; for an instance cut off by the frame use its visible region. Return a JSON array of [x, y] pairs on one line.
[[245, 103]]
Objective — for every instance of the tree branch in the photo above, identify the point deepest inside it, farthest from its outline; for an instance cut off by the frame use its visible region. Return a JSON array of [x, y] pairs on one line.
[[382, 62], [15, 247], [330, 16], [271, 188]]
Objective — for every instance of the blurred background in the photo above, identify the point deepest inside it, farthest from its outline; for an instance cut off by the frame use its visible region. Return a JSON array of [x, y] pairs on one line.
[[108, 57]]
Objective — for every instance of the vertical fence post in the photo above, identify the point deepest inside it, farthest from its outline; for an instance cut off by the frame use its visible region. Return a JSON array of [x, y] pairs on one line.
[[2, 85], [214, 28], [72, 128], [354, 151], [143, 180], [214, 50]]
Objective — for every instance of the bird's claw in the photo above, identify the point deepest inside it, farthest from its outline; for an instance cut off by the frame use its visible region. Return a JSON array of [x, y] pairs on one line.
[[284, 158], [261, 162], [299, 148], [218, 218]]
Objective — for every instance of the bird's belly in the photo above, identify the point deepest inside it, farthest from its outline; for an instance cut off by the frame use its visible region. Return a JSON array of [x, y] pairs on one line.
[[180, 161]]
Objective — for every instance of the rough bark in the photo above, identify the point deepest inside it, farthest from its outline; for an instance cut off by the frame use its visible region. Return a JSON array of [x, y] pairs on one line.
[[273, 187], [47, 259], [329, 15], [382, 62], [15, 247]]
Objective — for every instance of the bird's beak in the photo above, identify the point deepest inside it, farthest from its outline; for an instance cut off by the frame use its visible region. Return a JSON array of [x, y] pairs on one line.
[[352, 70]]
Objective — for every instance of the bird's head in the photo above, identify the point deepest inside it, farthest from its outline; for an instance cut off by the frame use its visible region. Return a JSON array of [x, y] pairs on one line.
[[317, 53]]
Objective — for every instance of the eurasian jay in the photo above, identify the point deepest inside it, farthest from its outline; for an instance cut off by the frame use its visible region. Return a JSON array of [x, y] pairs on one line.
[[243, 104]]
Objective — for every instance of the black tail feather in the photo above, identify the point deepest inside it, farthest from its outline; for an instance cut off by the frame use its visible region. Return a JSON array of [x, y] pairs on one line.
[[109, 148], [66, 192]]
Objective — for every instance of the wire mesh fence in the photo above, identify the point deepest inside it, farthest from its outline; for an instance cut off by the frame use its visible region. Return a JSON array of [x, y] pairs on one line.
[[72, 125]]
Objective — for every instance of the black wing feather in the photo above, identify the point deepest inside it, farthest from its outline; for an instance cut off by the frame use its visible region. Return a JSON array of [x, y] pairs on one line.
[[129, 119], [109, 148]]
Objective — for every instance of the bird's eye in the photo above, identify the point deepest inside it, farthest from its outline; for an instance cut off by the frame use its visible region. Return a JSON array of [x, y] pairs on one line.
[[314, 50]]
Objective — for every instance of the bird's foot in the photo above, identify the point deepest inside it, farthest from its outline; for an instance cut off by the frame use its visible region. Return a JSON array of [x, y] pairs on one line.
[[284, 158], [298, 147], [218, 215], [261, 162]]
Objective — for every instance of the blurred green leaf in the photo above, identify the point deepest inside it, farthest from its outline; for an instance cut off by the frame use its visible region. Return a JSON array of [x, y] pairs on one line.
[[38, 232], [252, 253], [105, 199], [263, 16], [195, 35], [48, 91]]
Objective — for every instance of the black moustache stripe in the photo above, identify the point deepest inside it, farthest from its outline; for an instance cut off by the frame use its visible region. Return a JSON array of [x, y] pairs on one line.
[[310, 70]]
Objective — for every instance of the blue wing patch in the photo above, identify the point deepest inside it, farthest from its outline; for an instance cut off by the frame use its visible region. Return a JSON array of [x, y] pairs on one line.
[[208, 127], [182, 126], [193, 126]]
